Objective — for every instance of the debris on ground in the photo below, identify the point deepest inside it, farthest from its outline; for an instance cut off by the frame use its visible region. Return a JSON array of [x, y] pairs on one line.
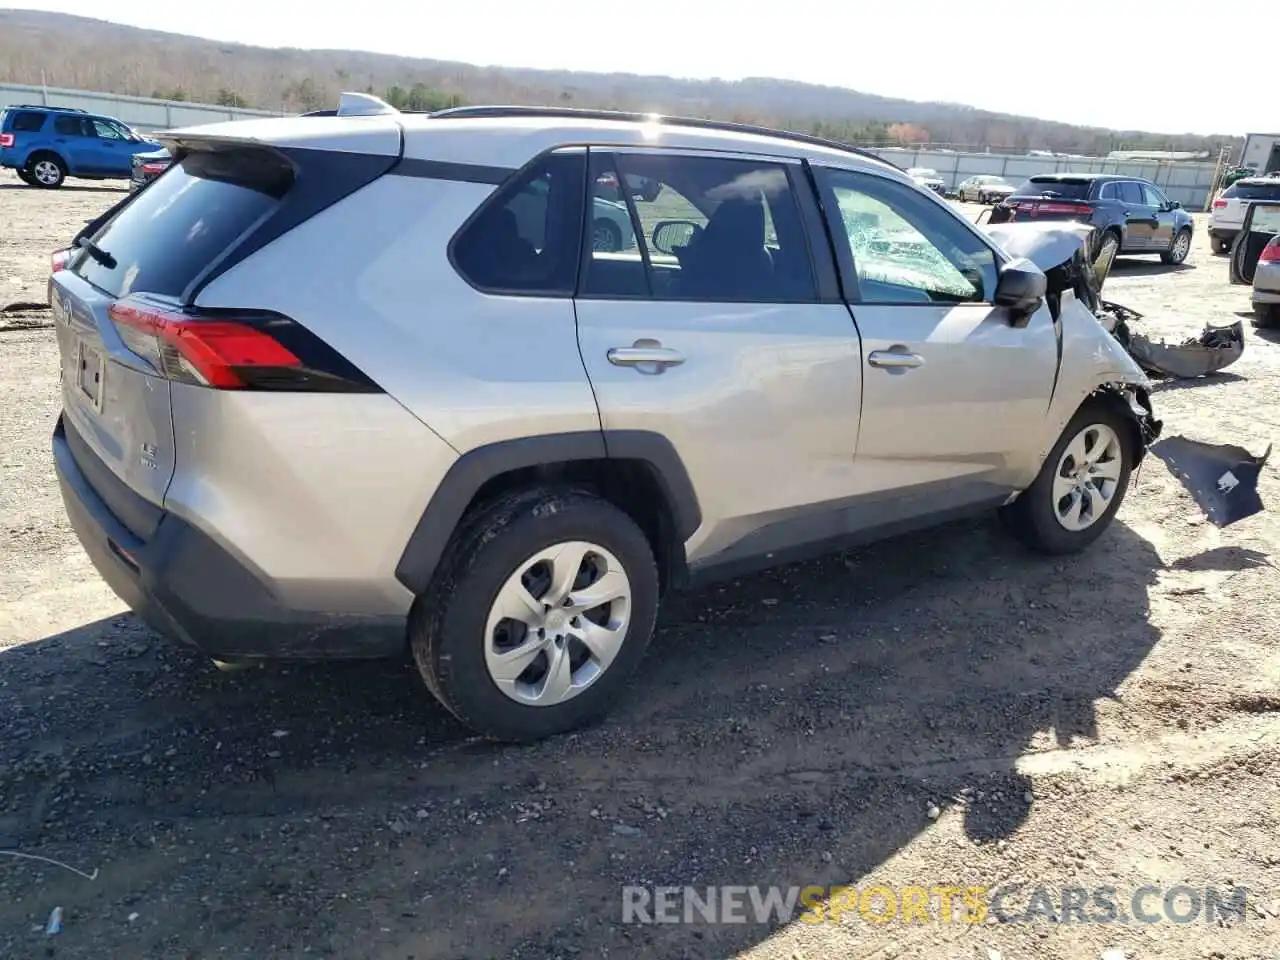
[[1222, 477]]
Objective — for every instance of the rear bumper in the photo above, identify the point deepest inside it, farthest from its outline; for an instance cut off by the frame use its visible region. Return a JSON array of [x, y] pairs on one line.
[[186, 586], [1225, 234]]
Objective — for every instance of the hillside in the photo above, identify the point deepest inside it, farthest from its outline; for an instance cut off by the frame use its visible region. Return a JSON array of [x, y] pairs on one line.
[[93, 54]]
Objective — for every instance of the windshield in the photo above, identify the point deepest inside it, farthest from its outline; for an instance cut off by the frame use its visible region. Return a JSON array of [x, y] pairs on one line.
[[922, 172], [1054, 187]]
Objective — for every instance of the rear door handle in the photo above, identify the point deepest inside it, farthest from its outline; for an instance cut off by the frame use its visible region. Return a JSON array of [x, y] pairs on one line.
[[894, 360], [634, 356]]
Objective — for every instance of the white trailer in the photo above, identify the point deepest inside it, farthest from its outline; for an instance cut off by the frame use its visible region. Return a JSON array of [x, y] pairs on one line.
[[1261, 153]]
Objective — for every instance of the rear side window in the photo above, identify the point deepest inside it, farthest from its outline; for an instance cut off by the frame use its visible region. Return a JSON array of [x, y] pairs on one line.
[[1254, 191], [23, 121], [1053, 187], [525, 239], [172, 231]]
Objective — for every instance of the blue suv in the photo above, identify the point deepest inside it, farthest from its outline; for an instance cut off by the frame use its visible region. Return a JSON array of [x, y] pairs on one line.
[[45, 145]]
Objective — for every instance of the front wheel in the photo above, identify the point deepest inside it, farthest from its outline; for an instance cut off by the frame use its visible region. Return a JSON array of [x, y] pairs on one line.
[[538, 616], [1080, 486], [1179, 249]]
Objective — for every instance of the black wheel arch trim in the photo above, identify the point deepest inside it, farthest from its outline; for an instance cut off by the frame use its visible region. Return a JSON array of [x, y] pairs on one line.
[[472, 470]]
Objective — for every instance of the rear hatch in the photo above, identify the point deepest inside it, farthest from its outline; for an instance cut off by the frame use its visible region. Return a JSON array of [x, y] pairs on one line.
[[150, 250], [1229, 209], [1049, 198]]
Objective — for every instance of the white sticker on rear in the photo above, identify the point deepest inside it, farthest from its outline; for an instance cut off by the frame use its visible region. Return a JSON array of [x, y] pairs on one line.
[[1227, 482]]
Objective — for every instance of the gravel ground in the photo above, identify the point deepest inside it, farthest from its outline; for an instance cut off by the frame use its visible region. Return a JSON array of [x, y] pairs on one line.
[[941, 709]]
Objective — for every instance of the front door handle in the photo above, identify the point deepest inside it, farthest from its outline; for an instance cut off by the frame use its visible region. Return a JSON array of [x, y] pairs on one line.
[[645, 355], [895, 360]]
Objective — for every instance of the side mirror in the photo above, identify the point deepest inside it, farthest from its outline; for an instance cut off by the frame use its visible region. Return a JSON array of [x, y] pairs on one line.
[[670, 234], [1175, 205], [1020, 290]]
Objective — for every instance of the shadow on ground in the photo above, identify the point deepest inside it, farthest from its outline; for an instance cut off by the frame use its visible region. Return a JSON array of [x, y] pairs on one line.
[[789, 729], [1130, 266]]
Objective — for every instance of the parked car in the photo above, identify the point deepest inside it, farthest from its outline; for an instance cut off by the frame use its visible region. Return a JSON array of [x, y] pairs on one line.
[[1132, 215], [1255, 259], [45, 145], [984, 188], [928, 178], [322, 398], [145, 167], [1230, 205]]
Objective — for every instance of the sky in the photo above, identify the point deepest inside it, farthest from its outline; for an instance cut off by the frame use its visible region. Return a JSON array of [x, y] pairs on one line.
[[1111, 63]]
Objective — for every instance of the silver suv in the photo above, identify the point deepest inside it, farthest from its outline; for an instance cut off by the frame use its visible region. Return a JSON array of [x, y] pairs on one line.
[[335, 386]]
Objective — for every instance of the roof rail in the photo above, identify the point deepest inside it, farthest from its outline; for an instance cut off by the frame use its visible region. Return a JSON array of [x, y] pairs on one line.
[[574, 113], [42, 106]]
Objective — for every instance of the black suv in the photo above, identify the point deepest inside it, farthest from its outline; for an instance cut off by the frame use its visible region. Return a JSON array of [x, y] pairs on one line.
[[1132, 215]]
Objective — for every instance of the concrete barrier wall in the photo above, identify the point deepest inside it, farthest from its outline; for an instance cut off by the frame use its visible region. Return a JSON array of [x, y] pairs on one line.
[[1186, 182], [143, 113]]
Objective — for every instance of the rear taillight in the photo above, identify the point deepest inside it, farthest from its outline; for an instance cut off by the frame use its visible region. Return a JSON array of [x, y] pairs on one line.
[[6, 140], [1271, 252], [1219, 204], [58, 260], [228, 350], [154, 169], [1077, 209]]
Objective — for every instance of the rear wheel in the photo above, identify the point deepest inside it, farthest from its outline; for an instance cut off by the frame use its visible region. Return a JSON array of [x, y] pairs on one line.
[[1266, 315], [606, 237], [1080, 486], [1179, 249], [26, 178], [1220, 245], [46, 170], [539, 614]]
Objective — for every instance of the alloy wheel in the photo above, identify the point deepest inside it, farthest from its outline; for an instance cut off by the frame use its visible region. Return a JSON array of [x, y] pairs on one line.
[[1087, 477]]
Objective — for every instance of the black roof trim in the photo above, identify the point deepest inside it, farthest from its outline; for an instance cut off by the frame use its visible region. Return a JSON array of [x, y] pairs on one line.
[[701, 123]]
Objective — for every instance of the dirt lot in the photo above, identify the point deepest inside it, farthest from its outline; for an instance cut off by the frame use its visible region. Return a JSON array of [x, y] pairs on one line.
[[1112, 720]]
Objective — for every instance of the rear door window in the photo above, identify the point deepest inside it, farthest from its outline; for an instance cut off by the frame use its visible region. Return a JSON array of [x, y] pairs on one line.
[[170, 233], [69, 126], [1053, 187], [719, 229]]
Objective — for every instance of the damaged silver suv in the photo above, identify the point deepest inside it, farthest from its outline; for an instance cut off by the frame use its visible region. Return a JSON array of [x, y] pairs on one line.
[[344, 385]]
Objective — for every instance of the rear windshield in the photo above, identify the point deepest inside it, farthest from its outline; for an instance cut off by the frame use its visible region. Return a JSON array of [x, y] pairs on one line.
[[1254, 191], [1051, 187], [176, 227]]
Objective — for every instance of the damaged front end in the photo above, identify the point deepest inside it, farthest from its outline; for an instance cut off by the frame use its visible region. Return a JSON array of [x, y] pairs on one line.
[[1064, 251]]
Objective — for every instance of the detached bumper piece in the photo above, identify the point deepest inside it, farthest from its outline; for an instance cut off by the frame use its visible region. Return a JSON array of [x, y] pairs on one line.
[[1222, 478], [1215, 348]]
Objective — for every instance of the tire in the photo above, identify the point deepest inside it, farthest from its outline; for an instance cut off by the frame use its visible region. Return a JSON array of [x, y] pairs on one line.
[[982, 198], [454, 628], [47, 171], [1221, 246], [1179, 250], [605, 237], [1266, 316], [25, 178], [1034, 517]]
